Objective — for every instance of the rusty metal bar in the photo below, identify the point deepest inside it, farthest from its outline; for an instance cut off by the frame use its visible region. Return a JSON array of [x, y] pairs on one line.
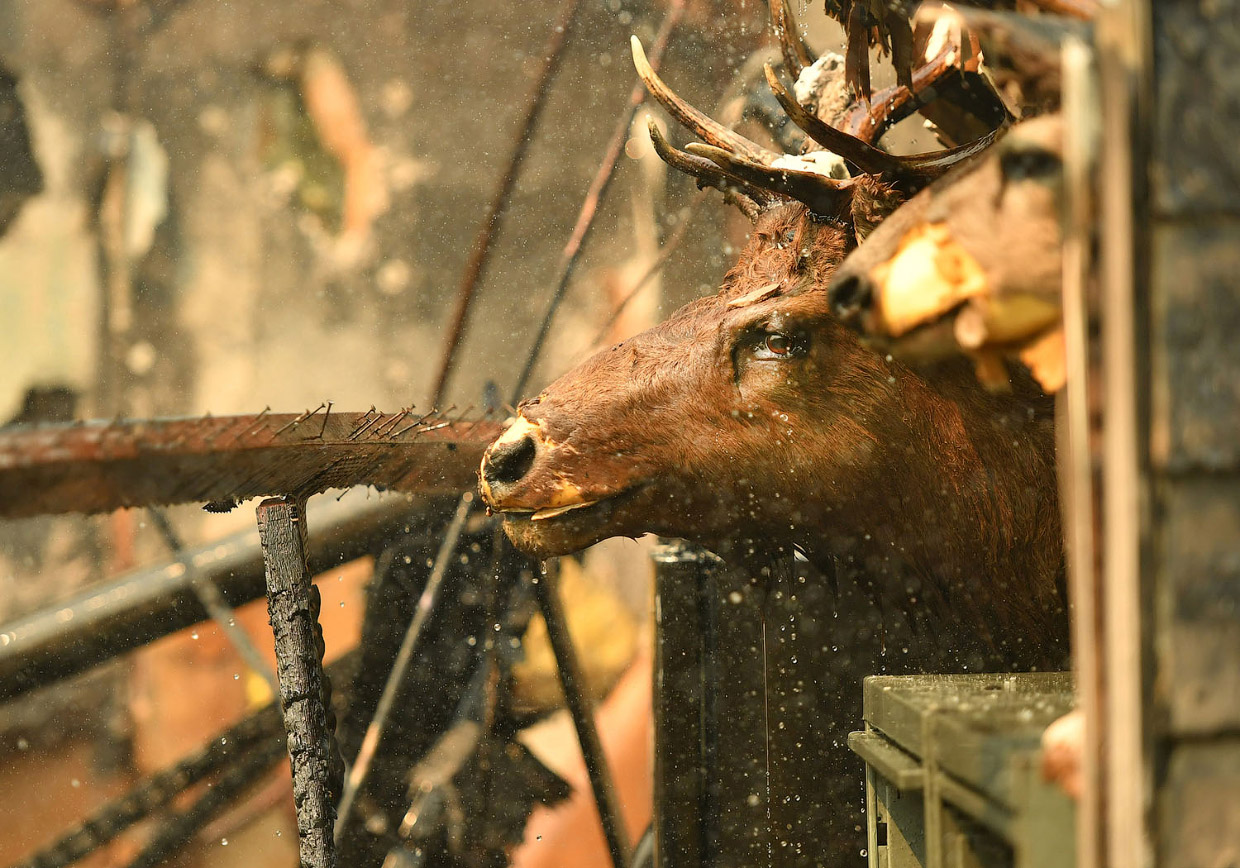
[[101, 466], [594, 195], [582, 711], [293, 606], [480, 253], [147, 604]]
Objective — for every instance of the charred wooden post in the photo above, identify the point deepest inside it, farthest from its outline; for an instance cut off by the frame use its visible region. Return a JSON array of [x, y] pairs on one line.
[[711, 807], [682, 765], [293, 607]]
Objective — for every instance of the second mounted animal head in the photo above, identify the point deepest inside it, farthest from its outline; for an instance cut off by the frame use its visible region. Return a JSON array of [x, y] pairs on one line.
[[973, 265], [970, 265]]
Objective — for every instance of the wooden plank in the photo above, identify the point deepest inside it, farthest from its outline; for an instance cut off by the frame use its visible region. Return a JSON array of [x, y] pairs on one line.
[[1199, 591], [1196, 165], [102, 466], [1199, 816], [1195, 376]]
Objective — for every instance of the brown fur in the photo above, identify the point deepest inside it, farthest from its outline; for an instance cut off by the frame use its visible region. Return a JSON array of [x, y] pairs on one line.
[[934, 492]]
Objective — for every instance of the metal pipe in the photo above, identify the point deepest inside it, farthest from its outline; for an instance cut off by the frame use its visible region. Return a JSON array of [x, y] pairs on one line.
[[152, 602]]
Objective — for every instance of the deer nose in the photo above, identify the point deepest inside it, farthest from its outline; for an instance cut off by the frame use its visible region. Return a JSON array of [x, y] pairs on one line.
[[509, 460], [850, 296]]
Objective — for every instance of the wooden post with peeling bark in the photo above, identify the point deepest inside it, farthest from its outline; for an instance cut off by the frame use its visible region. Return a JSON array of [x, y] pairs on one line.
[[293, 608]]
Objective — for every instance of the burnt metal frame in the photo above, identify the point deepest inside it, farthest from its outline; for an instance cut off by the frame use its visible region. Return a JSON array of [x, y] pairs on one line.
[[110, 455]]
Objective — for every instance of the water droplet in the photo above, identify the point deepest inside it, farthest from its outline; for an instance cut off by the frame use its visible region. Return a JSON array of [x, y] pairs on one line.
[[194, 635], [75, 783], [223, 842]]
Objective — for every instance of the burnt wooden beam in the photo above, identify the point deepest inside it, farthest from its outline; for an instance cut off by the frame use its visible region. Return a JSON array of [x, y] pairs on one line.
[[101, 466], [293, 607]]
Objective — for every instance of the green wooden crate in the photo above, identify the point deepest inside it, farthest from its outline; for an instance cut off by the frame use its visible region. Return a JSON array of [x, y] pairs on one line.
[[953, 776]]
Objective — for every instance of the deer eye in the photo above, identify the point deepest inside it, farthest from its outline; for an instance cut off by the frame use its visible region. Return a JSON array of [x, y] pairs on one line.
[[1030, 164], [777, 345]]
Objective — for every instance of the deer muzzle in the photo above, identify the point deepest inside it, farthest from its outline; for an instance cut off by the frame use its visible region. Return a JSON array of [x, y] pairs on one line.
[[505, 471]]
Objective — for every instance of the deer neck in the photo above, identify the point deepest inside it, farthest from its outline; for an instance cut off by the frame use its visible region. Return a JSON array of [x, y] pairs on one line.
[[955, 511]]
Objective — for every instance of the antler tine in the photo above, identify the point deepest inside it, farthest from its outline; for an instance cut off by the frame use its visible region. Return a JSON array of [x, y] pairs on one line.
[[893, 104], [935, 163], [796, 53], [865, 156], [750, 199], [861, 154], [702, 126], [826, 197]]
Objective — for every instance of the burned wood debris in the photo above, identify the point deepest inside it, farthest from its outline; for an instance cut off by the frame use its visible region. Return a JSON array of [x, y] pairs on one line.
[[101, 466]]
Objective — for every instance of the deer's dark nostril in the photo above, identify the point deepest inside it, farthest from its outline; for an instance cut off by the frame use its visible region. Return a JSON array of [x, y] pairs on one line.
[[508, 462], [850, 296]]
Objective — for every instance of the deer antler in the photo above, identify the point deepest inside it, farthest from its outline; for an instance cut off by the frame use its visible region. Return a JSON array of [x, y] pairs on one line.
[[736, 165], [710, 131], [826, 197], [886, 23], [755, 177], [861, 154], [866, 157], [751, 200]]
